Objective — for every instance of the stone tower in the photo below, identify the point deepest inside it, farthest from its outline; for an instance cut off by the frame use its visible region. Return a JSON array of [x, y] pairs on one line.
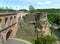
[[42, 24]]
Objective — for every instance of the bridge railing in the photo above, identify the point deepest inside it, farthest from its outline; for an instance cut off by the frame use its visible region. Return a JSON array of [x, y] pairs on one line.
[[7, 25], [0, 27]]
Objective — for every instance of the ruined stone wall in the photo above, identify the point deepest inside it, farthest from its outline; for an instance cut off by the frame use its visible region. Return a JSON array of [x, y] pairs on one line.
[[42, 24]]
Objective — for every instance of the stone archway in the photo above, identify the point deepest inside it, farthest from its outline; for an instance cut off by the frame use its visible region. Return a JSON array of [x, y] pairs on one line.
[[8, 34]]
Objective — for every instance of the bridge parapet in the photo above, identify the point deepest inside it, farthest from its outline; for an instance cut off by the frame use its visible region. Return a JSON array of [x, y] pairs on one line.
[[7, 19], [8, 25]]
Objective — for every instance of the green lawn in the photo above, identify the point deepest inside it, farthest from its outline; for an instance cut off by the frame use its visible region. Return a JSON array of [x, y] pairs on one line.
[[30, 39]]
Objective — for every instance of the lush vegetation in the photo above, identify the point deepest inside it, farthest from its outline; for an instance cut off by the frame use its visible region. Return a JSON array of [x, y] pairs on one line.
[[54, 18], [29, 39], [32, 9], [48, 10], [26, 32], [7, 10], [51, 10], [46, 40]]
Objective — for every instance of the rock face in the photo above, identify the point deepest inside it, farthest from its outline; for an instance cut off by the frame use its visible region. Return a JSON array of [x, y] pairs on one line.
[[42, 24], [25, 29]]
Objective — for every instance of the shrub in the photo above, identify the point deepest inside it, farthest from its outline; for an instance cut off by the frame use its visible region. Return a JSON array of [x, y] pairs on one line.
[[45, 40]]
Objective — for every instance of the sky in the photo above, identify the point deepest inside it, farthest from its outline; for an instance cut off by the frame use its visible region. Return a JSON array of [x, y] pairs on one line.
[[24, 4]]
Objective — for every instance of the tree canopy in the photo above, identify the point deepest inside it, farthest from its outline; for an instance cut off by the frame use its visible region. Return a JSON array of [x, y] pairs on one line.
[[7, 10], [31, 9], [54, 18]]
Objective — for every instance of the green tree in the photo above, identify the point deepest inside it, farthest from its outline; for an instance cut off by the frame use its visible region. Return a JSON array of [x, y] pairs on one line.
[[32, 9], [54, 19]]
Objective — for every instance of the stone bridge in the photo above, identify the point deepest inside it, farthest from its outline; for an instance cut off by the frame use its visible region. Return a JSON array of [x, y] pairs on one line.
[[8, 25]]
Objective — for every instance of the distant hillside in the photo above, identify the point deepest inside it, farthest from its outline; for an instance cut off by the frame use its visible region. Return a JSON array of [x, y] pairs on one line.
[[7, 10], [24, 10], [48, 10], [37, 10]]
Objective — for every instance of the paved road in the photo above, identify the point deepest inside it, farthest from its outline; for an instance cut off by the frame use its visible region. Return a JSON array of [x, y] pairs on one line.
[[57, 42], [0, 40], [17, 41]]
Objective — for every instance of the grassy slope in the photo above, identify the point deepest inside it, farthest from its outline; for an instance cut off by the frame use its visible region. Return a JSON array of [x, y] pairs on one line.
[[28, 29]]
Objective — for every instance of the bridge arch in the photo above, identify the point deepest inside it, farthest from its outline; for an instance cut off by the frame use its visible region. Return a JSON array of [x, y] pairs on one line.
[[0, 24], [14, 17], [10, 18], [0, 20], [8, 34], [6, 19]]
